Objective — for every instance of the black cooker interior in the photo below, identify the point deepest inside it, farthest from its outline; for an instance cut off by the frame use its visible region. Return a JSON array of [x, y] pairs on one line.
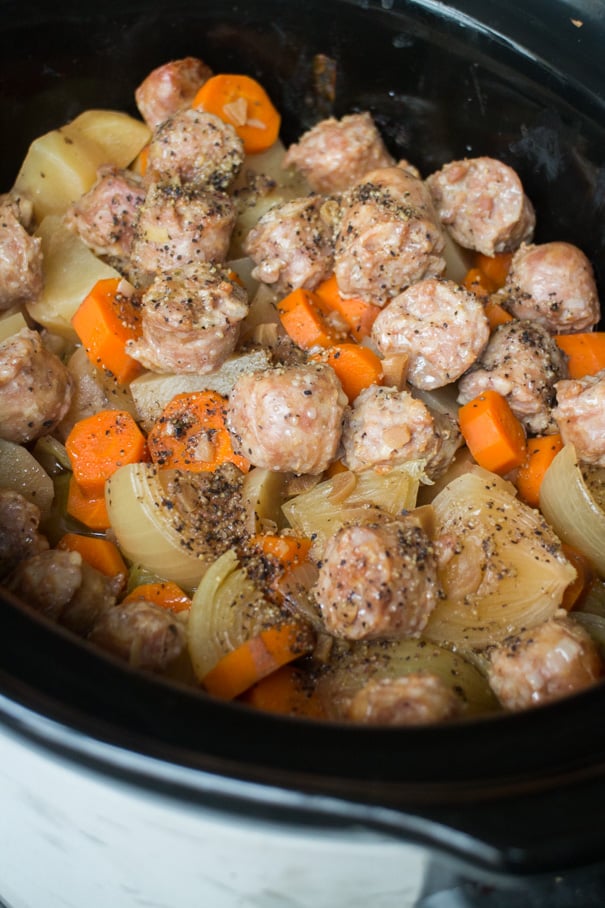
[[520, 81]]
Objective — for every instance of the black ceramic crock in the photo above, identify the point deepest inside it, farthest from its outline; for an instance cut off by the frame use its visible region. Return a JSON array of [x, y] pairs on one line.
[[510, 798]]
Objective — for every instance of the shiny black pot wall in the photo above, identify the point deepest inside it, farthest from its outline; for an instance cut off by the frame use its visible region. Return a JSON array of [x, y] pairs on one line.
[[522, 82]]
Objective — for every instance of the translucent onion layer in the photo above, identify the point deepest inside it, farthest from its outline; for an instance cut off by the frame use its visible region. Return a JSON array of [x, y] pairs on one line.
[[21, 472]]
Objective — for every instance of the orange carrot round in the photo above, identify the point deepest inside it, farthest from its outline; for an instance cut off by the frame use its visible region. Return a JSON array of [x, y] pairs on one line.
[[100, 553], [540, 453], [285, 692], [492, 432], [91, 511], [99, 444], [191, 434], [479, 282], [243, 102], [585, 352], [358, 314], [164, 593], [495, 267], [289, 550], [357, 367]]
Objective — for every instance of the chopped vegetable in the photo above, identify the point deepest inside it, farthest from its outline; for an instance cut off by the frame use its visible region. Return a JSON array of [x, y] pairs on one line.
[[358, 314], [99, 444], [191, 434], [357, 367], [288, 550], [305, 319], [494, 267], [492, 432], [540, 453], [585, 352], [243, 102], [100, 553], [479, 283], [91, 511], [585, 577], [161, 592], [286, 692], [496, 314], [104, 322]]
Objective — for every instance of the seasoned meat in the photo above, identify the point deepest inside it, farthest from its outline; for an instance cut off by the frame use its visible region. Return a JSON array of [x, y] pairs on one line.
[[580, 416], [543, 664], [415, 699], [440, 325], [377, 581], [334, 154], [144, 634], [522, 363], [554, 284], [170, 88], [292, 245], [35, 388], [19, 536], [21, 266], [66, 589], [190, 320], [181, 224], [195, 147], [288, 418], [482, 203], [104, 216], [388, 236], [385, 427]]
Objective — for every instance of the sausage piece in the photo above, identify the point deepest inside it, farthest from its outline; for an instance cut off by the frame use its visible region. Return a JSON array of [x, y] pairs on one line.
[[377, 581], [104, 217], [195, 147], [35, 388], [181, 224], [543, 664], [142, 633], [482, 203], [190, 320], [170, 88], [553, 283], [580, 416], [334, 154], [521, 362], [292, 245], [387, 237], [440, 325], [21, 266], [288, 418], [415, 699], [19, 536]]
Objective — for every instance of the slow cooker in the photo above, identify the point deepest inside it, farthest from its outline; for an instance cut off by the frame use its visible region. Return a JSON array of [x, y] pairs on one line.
[[119, 789]]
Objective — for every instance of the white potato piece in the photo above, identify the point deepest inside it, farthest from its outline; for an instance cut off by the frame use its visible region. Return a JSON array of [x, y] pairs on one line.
[[11, 321], [120, 136], [70, 271], [21, 472]]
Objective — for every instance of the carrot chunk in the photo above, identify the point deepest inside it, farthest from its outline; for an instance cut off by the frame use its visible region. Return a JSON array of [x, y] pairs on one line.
[[479, 283], [495, 267], [99, 553], [358, 315], [244, 103], [191, 434], [492, 432], [286, 692], [289, 550], [540, 453], [91, 511], [99, 444], [496, 314], [305, 319], [357, 367], [105, 320], [164, 593], [585, 352]]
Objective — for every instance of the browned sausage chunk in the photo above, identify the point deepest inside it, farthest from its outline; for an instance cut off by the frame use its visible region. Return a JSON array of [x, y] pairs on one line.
[[35, 388], [414, 699], [292, 245], [104, 217], [181, 224], [580, 415], [195, 147], [170, 88], [19, 536], [140, 632], [377, 581], [440, 325], [482, 203], [522, 363], [288, 419], [553, 283], [388, 236], [21, 268], [334, 154], [543, 664], [190, 319]]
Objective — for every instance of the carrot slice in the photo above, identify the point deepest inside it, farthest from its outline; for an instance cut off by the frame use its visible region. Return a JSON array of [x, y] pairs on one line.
[[585, 352], [495, 267], [255, 659], [99, 444], [540, 453], [92, 512], [99, 553], [161, 592], [243, 102], [191, 434], [289, 550], [285, 692], [358, 314], [479, 282], [357, 367], [105, 320], [496, 314], [492, 432], [585, 577], [305, 319]]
